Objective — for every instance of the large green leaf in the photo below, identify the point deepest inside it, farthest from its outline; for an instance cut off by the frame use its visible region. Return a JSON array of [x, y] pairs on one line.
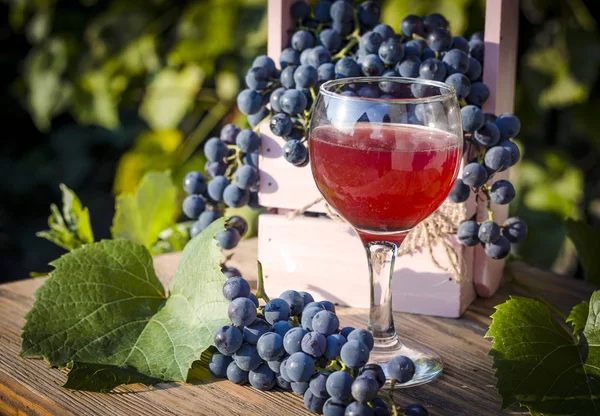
[[587, 242], [72, 228], [540, 365], [170, 95], [103, 305], [140, 217], [579, 316]]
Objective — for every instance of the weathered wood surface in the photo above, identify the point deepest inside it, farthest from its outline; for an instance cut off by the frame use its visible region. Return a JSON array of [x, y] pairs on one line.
[[466, 387]]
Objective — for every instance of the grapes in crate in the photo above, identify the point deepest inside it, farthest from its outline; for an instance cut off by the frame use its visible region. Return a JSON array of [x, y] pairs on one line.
[[295, 344]]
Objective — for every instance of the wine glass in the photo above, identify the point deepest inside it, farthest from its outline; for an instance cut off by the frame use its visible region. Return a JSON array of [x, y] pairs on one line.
[[385, 153]]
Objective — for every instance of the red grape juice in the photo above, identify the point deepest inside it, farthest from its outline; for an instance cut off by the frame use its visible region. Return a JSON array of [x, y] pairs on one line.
[[384, 179]]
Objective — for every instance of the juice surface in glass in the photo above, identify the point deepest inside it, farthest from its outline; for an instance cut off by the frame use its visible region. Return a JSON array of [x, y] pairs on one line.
[[384, 178]]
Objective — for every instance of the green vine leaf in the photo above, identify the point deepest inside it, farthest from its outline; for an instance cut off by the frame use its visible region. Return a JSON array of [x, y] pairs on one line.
[[540, 365], [103, 305], [141, 216], [578, 316], [587, 242], [72, 228]]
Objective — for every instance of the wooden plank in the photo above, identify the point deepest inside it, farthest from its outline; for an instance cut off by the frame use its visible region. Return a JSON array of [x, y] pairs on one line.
[[465, 388], [499, 73]]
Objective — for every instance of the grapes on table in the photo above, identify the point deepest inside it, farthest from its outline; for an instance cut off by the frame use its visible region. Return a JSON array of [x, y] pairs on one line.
[[267, 346]]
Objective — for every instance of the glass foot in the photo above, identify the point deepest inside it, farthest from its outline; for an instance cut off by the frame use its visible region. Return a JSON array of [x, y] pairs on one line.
[[428, 363]]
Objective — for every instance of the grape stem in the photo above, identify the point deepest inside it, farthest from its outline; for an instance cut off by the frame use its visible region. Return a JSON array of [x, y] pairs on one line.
[[391, 397], [486, 190], [351, 43], [260, 290]]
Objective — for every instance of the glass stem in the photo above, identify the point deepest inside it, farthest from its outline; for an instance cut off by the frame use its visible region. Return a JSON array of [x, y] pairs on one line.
[[381, 256]]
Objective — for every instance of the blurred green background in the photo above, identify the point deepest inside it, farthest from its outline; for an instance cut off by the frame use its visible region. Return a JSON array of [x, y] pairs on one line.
[[97, 93]]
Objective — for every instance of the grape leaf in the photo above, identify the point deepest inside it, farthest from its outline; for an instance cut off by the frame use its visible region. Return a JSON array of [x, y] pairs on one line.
[[102, 378], [72, 228], [587, 242], [104, 305], [539, 364], [140, 217], [578, 316]]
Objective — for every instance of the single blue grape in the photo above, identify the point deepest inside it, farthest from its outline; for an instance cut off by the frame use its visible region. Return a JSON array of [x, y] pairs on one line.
[[321, 11], [270, 346], [391, 51], [497, 159], [401, 368], [295, 152], [479, 94], [193, 206], [363, 336], [289, 57], [432, 69], [413, 48], [263, 61], [334, 346], [247, 357], [249, 102], [318, 56], [476, 49], [246, 177], [229, 132], [236, 375], [295, 300], [339, 385], [326, 72], [293, 102], [512, 149], [461, 84], [370, 42], [305, 76], [347, 68], [475, 70], [460, 192], [213, 169], [365, 389], [390, 87], [253, 298], [215, 149], [325, 322], [287, 80], [514, 229], [472, 118], [236, 287], [460, 43], [282, 328], [228, 339], [343, 28], [329, 306], [313, 304], [292, 340], [415, 409], [300, 10], [239, 223], [412, 25], [307, 317], [489, 232], [475, 175], [300, 367], [331, 40], [255, 330], [487, 135], [248, 141], [262, 378], [228, 239], [371, 65], [301, 40], [384, 30], [435, 21], [409, 67], [509, 126], [375, 371], [255, 119], [368, 13], [283, 371], [341, 11], [307, 298], [345, 331], [467, 233], [318, 384], [304, 56], [333, 407], [282, 383], [276, 96], [194, 183], [299, 388], [456, 62], [235, 197], [207, 218], [499, 249], [502, 192], [439, 40], [277, 310], [242, 312], [359, 409], [368, 91], [217, 365], [354, 353], [257, 78], [313, 403], [314, 344]]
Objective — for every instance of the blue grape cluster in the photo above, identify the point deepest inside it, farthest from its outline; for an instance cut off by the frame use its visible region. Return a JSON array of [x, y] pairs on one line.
[[296, 344], [489, 150], [202, 205]]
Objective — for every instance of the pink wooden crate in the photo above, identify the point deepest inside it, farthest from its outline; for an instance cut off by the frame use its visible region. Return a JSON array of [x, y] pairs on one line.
[[326, 257]]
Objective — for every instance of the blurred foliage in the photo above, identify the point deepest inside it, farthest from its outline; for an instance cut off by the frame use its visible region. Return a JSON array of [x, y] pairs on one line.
[[116, 89], [587, 242]]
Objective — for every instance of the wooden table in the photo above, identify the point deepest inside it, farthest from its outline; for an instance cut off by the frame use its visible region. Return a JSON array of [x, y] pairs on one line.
[[465, 388]]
